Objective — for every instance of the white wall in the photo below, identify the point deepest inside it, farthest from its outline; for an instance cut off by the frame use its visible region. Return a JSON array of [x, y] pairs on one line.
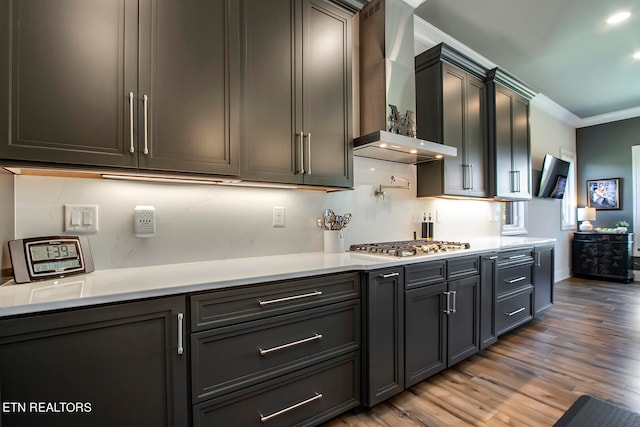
[[548, 136], [214, 222]]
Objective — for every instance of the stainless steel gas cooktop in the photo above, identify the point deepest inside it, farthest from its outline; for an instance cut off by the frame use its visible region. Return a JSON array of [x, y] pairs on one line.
[[409, 247]]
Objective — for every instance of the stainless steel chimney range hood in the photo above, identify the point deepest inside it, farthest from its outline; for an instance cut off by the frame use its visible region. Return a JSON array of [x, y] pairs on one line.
[[387, 77]]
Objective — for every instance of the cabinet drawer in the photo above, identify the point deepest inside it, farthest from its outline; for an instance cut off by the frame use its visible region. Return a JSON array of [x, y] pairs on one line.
[[514, 278], [426, 273], [309, 397], [458, 268], [247, 303], [513, 311], [227, 359], [515, 257]]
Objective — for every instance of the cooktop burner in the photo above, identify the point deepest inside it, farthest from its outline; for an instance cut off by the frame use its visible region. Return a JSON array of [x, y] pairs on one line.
[[409, 247]]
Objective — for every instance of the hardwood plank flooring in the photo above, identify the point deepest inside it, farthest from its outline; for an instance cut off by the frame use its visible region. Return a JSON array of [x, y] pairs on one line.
[[588, 343]]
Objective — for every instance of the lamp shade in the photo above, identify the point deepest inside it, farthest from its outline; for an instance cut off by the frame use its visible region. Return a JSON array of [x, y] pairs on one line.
[[586, 214]]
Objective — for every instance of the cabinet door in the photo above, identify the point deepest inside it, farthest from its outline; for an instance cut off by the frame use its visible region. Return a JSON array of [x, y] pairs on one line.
[[453, 122], [425, 333], [188, 75], [521, 148], [270, 82], [476, 137], [70, 68], [511, 139], [117, 365], [543, 274], [464, 320], [326, 94], [384, 349]]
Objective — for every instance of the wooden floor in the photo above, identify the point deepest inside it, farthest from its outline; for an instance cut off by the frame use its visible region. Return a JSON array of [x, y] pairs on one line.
[[588, 343]]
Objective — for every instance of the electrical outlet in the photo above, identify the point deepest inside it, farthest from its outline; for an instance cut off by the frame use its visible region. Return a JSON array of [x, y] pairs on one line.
[[145, 221], [278, 216]]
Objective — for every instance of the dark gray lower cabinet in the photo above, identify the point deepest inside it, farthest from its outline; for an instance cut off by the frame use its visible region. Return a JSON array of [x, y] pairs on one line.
[[383, 367], [286, 353], [110, 366], [419, 326], [487, 299], [514, 289], [543, 278]]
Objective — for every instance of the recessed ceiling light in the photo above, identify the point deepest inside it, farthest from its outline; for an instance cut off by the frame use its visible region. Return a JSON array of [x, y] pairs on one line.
[[618, 17], [636, 56], [414, 151]]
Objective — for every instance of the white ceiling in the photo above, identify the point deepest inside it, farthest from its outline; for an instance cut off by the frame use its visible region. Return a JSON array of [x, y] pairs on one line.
[[561, 48]]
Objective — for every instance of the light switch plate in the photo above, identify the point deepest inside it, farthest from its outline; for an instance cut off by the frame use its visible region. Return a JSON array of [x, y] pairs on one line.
[[145, 221], [278, 216], [81, 218]]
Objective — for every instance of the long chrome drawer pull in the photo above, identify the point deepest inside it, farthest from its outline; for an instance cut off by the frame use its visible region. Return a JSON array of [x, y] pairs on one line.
[[291, 344], [180, 339], [386, 276], [132, 149], [519, 279], [517, 256], [513, 313], [292, 298], [266, 418], [145, 102]]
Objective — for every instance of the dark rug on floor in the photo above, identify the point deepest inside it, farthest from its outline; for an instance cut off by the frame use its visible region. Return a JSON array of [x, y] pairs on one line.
[[590, 411]]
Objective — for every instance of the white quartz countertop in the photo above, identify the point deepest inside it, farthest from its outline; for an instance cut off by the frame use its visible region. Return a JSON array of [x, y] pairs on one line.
[[126, 284]]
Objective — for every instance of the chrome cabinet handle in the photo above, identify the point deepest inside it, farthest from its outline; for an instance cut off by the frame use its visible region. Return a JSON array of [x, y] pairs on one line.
[[301, 149], [291, 298], [265, 418], [145, 102], [309, 153], [538, 258], [493, 257], [132, 149], [180, 336], [515, 181], [467, 177], [453, 310], [517, 256], [264, 352], [516, 280], [448, 309], [386, 276], [513, 313]]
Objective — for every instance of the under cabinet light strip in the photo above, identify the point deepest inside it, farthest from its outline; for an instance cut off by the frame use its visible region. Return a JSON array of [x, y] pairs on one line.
[[170, 180]]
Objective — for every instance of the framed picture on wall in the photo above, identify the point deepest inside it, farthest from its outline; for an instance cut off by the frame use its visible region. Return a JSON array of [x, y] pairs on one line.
[[604, 193]]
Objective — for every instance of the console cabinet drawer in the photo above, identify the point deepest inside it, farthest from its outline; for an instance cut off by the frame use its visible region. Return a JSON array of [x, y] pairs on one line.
[[234, 357], [512, 279], [307, 397], [514, 310], [247, 303]]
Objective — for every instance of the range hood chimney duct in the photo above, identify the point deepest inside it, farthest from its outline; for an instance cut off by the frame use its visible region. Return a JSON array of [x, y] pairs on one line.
[[387, 78]]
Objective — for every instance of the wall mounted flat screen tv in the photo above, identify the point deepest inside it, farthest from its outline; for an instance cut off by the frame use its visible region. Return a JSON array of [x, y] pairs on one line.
[[553, 178]]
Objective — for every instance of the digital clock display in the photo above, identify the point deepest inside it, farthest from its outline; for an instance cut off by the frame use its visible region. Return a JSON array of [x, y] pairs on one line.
[[46, 252], [40, 258], [54, 257]]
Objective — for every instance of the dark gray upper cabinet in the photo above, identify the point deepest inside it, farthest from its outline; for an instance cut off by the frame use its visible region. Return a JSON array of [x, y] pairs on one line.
[[189, 79], [295, 122], [509, 136], [67, 67], [143, 84], [451, 108]]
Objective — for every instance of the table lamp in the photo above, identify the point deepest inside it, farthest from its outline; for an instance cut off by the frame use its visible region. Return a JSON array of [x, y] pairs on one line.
[[585, 215]]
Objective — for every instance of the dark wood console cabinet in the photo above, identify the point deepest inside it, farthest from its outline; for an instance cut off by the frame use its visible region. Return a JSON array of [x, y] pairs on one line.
[[603, 256]]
